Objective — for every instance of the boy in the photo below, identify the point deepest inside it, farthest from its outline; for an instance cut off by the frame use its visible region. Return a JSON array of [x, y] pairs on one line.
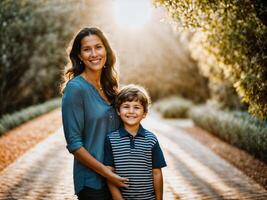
[[134, 152]]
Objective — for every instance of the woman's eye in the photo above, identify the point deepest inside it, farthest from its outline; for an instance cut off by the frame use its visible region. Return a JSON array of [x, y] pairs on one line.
[[99, 47]]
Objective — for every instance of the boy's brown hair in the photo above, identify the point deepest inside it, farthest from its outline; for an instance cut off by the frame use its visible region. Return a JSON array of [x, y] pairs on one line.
[[133, 92]]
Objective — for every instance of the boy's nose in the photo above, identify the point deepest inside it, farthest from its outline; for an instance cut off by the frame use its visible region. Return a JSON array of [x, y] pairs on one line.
[[131, 110]]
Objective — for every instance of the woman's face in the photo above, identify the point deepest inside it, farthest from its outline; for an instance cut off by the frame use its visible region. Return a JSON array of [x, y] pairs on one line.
[[93, 53]]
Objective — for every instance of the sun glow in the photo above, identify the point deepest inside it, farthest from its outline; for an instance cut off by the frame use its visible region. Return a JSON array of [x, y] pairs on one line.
[[132, 13]]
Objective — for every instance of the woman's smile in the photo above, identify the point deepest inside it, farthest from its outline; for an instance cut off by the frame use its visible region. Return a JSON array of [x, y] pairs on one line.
[[93, 53], [95, 61]]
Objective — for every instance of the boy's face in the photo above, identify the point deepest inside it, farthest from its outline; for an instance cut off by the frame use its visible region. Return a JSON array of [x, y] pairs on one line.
[[131, 113]]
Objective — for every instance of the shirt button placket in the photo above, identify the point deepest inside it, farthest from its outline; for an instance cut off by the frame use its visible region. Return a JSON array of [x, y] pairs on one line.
[[132, 142]]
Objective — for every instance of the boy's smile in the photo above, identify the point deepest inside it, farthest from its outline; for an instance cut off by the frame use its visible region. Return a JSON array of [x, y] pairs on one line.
[[131, 113]]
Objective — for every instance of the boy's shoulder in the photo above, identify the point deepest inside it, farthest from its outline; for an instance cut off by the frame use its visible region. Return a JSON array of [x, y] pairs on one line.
[[113, 133], [149, 134]]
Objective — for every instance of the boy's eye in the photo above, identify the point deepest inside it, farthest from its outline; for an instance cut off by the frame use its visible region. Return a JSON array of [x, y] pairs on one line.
[[137, 107]]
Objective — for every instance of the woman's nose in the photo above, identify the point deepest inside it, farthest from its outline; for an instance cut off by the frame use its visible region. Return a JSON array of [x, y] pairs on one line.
[[93, 52]]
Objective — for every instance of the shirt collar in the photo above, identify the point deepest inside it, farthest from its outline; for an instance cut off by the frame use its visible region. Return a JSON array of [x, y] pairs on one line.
[[124, 133]]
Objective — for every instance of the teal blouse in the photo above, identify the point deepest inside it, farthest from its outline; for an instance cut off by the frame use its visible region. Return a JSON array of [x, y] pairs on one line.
[[87, 118]]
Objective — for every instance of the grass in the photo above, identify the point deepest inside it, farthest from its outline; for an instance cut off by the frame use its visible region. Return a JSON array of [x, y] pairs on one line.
[[238, 128], [9, 121]]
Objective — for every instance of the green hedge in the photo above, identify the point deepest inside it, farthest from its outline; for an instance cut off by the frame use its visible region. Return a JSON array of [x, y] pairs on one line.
[[235, 127], [173, 107], [9, 121]]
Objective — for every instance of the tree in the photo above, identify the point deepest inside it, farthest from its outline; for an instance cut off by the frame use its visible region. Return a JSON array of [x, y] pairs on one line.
[[229, 43], [33, 39]]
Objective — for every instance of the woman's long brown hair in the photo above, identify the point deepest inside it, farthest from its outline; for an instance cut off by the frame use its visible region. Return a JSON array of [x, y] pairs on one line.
[[75, 67]]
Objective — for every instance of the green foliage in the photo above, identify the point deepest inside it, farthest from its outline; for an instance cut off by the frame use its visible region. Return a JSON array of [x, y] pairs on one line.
[[173, 107], [33, 38], [235, 127], [224, 93], [229, 43], [9, 121]]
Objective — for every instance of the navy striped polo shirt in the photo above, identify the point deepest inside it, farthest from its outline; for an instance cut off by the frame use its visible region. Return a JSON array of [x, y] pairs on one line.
[[134, 158]]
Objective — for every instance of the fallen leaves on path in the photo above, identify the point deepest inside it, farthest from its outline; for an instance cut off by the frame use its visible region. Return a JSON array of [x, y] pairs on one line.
[[17, 141]]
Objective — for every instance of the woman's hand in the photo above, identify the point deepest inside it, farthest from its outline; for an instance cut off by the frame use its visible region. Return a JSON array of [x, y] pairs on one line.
[[89, 161], [116, 180]]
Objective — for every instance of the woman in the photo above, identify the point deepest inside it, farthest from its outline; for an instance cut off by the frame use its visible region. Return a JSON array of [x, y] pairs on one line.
[[88, 114]]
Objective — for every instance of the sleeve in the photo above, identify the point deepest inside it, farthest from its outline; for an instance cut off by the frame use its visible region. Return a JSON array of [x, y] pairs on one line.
[[158, 160], [73, 116], [108, 156]]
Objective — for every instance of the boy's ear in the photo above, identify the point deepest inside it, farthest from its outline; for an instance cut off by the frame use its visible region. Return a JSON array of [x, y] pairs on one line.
[[144, 115]]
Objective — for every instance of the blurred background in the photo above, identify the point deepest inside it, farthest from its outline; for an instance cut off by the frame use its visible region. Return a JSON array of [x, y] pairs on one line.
[[36, 34], [203, 52]]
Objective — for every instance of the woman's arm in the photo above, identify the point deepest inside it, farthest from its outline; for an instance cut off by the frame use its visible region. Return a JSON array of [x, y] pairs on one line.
[[158, 183], [89, 161], [73, 124], [115, 192]]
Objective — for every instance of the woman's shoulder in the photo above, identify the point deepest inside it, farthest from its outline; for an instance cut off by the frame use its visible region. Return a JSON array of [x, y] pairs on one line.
[[78, 82], [75, 85], [74, 82]]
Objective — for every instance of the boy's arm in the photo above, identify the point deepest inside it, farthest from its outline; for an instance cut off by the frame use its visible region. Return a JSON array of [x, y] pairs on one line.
[[115, 192], [158, 183], [158, 162]]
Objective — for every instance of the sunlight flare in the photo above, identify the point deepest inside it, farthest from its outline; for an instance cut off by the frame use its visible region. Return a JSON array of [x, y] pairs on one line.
[[132, 13]]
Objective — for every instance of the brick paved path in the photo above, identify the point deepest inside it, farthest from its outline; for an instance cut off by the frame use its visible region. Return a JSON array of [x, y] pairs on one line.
[[44, 172], [193, 172]]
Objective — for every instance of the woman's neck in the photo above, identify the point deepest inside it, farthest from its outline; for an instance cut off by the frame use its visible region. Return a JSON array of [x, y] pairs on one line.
[[92, 77]]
